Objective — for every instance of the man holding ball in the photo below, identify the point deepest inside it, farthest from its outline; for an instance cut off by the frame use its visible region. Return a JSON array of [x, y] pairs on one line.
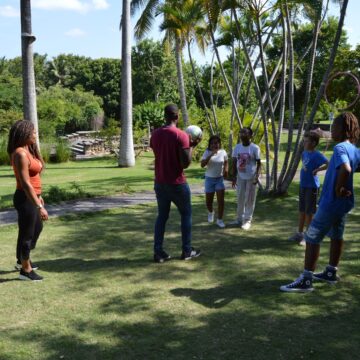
[[173, 151]]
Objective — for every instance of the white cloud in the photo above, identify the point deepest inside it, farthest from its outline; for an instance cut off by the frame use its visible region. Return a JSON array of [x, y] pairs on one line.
[[9, 11], [100, 4], [75, 33], [60, 5], [73, 5]]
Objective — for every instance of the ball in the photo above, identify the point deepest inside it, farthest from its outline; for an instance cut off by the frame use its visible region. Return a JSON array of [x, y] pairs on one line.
[[194, 131]]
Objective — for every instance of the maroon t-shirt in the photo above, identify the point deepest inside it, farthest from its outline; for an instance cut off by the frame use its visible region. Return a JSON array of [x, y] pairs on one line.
[[166, 143]]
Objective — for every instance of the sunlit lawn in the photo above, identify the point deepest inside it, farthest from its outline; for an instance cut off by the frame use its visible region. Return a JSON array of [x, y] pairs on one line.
[[103, 298], [97, 177], [101, 177]]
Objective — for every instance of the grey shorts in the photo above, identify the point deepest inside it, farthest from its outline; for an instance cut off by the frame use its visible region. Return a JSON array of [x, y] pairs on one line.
[[308, 200]]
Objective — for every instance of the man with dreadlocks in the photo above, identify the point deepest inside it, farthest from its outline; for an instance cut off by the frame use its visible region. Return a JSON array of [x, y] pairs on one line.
[[27, 164], [337, 199]]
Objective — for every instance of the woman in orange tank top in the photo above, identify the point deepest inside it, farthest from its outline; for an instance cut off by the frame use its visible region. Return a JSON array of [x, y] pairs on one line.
[[27, 164]]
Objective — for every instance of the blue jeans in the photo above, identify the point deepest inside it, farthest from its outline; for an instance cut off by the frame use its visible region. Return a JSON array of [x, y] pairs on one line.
[[180, 195], [325, 223]]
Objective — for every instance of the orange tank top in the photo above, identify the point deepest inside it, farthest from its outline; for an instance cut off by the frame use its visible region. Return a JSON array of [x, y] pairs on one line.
[[35, 167]]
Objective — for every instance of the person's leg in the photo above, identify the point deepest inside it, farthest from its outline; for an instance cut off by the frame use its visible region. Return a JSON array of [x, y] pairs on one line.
[[241, 187], [336, 235], [181, 197], [336, 248], [302, 222], [220, 196], [308, 219], [312, 253], [302, 209], [250, 200], [310, 204], [37, 231], [164, 204], [210, 201], [27, 219], [316, 232]]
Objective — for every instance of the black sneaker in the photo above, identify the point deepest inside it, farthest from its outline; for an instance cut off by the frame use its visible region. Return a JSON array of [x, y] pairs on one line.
[[328, 275], [301, 284], [18, 266], [191, 254], [31, 276], [161, 257]]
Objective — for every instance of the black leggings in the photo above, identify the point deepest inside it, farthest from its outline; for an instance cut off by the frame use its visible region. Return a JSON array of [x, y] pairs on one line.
[[30, 225]]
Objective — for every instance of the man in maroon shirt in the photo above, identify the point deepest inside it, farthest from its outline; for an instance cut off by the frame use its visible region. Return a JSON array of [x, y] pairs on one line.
[[173, 152]]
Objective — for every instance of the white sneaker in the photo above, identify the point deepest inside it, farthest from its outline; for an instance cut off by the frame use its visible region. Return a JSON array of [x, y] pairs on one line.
[[210, 217], [220, 223], [246, 225]]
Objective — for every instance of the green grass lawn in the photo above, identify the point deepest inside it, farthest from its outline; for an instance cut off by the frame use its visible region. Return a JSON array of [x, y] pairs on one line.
[[96, 177], [103, 298], [100, 177]]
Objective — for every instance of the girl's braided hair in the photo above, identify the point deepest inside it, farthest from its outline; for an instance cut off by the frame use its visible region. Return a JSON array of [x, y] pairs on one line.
[[19, 134], [350, 126]]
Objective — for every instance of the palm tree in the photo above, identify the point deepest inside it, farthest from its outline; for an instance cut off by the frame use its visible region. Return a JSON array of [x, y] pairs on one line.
[[297, 153], [151, 10], [185, 20], [126, 153], [28, 74]]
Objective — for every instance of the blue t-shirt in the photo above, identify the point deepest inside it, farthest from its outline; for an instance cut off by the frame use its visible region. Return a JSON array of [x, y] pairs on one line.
[[344, 153], [311, 160]]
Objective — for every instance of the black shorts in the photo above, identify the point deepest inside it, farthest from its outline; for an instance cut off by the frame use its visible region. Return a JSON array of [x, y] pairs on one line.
[[308, 200]]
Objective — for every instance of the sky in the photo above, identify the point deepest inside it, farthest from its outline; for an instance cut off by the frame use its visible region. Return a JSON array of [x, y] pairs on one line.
[[91, 28]]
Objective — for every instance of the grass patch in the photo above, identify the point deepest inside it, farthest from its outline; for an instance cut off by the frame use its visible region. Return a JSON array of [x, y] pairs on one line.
[[102, 177], [95, 177], [103, 298]]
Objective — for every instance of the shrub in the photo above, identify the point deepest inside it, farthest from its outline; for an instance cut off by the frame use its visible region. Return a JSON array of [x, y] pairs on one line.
[[56, 194], [62, 152], [45, 148], [109, 133], [4, 157], [151, 113]]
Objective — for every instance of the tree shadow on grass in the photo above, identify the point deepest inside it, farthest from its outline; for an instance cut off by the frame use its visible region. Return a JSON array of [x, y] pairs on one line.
[[240, 333], [235, 311]]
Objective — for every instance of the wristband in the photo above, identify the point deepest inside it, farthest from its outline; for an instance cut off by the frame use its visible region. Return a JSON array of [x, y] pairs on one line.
[[39, 206]]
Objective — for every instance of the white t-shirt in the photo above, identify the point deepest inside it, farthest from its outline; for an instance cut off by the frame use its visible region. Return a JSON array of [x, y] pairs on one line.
[[246, 160], [215, 166]]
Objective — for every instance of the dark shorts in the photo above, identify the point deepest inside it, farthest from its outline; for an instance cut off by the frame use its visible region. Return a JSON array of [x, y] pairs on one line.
[[308, 200]]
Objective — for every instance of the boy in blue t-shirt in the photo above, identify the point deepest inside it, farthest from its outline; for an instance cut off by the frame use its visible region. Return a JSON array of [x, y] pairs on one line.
[[337, 199], [313, 161]]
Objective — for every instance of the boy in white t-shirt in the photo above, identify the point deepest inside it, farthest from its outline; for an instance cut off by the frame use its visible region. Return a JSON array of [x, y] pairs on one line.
[[216, 161], [246, 171]]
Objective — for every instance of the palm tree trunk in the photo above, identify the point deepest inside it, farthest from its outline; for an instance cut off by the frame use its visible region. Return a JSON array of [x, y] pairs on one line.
[[282, 105], [212, 93], [126, 153], [289, 177], [181, 84], [307, 92], [28, 73], [224, 77], [199, 88], [291, 98]]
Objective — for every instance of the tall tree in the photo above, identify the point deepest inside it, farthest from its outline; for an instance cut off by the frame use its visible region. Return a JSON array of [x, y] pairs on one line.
[[152, 8], [126, 153], [185, 19], [28, 74]]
